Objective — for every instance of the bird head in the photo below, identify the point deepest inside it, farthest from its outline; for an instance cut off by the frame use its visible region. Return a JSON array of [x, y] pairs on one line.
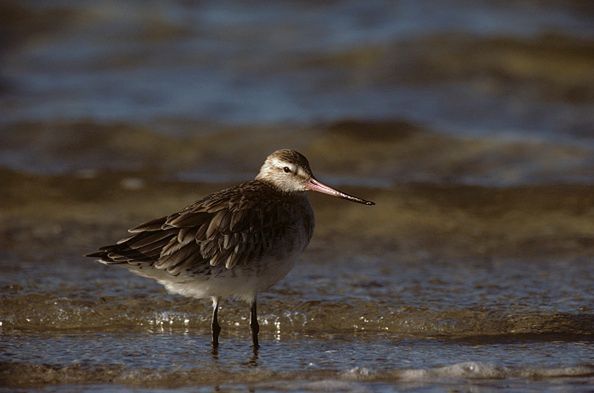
[[289, 171]]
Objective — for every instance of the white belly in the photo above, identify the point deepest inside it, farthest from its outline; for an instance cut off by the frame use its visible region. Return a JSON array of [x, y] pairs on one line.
[[239, 282]]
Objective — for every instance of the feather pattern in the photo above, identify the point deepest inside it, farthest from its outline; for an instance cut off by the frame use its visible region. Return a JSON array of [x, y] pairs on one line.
[[236, 242], [230, 228]]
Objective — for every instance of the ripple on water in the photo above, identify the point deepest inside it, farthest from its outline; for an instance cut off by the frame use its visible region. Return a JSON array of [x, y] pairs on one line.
[[176, 360]]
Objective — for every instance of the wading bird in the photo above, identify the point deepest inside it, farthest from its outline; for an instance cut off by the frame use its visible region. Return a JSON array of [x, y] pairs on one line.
[[235, 242]]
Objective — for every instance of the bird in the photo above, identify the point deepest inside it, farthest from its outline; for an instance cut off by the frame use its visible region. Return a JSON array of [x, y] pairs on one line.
[[235, 243]]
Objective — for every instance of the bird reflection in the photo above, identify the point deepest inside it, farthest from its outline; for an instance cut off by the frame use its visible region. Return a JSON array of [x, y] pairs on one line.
[[253, 362]]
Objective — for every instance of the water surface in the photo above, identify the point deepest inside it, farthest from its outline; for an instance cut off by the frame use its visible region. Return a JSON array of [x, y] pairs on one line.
[[470, 123]]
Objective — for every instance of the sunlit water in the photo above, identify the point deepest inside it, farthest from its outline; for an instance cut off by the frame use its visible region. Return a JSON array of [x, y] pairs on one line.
[[334, 361], [470, 123], [369, 324]]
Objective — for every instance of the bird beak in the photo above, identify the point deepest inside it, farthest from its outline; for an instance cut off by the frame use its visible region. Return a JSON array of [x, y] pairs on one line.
[[314, 185]]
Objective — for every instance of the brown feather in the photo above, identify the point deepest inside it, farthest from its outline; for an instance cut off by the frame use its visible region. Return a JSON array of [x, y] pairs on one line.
[[189, 219], [233, 227], [153, 225], [214, 224], [200, 233]]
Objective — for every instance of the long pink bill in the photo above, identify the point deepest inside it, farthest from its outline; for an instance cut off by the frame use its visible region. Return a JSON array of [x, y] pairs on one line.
[[315, 185]]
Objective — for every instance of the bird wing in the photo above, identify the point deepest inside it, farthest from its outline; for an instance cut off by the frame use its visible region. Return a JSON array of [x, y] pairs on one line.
[[231, 227]]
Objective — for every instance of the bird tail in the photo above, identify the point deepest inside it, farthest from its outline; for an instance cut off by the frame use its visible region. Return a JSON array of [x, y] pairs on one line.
[[103, 257], [140, 248]]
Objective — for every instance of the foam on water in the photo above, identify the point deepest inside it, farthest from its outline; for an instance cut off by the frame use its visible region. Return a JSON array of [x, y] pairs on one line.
[[468, 370], [356, 379]]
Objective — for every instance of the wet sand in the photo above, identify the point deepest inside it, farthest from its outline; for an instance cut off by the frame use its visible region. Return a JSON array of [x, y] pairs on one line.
[[468, 123], [435, 266]]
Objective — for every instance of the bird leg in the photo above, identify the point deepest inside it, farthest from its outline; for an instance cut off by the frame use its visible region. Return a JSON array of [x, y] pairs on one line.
[[215, 327], [254, 326]]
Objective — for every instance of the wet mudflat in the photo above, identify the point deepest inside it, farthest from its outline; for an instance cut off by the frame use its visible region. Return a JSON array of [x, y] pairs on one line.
[[474, 271], [429, 291]]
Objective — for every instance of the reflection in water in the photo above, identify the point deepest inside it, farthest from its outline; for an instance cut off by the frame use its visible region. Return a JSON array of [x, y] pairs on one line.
[[165, 362], [215, 353], [253, 362], [468, 122]]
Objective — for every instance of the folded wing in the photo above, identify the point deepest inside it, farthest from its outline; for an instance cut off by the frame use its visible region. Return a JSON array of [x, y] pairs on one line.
[[228, 228]]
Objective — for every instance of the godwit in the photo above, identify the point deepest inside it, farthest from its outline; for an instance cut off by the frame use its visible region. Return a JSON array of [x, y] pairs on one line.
[[235, 242]]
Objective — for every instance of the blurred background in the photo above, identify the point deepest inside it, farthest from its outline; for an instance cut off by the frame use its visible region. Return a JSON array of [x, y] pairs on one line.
[[469, 122], [455, 93], [494, 93]]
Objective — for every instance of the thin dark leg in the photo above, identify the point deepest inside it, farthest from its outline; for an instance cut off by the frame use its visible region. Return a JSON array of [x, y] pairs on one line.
[[255, 327], [215, 327]]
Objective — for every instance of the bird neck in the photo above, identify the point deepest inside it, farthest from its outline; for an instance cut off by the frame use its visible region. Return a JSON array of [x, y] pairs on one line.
[[279, 187]]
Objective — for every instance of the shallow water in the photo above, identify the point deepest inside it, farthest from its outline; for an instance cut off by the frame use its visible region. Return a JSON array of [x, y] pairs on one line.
[[339, 323], [470, 123], [328, 361]]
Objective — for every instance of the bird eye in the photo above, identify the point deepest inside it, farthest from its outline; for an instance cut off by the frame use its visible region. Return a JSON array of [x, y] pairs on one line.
[[287, 169]]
